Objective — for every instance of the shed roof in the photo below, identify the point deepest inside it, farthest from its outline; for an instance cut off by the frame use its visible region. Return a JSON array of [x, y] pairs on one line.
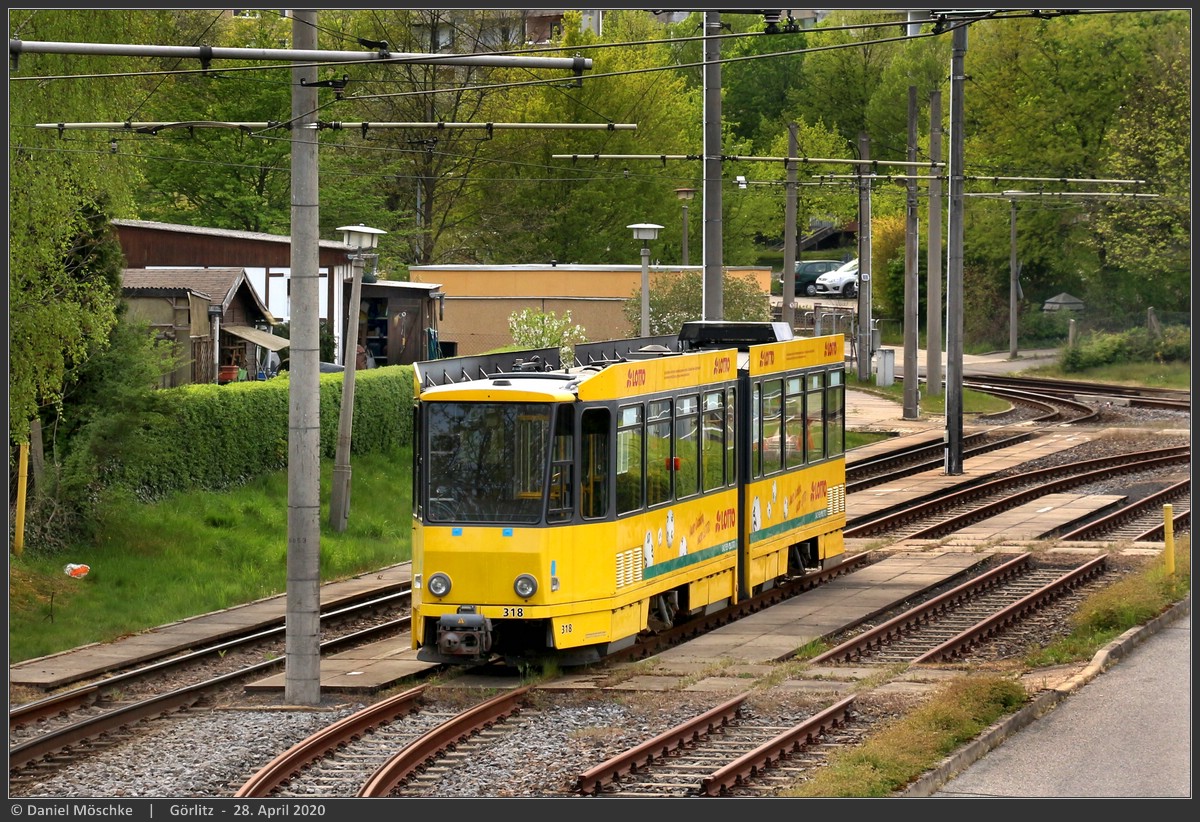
[[259, 236], [218, 284]]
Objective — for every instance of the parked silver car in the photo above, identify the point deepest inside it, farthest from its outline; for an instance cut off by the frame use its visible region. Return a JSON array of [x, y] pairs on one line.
[[842, 282]]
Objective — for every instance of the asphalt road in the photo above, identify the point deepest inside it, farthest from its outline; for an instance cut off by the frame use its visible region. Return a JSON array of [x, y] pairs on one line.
[[1125, 733]]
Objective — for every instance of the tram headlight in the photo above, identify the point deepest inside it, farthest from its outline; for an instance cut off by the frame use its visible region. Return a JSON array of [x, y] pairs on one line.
[[438, 585], [525, 586]]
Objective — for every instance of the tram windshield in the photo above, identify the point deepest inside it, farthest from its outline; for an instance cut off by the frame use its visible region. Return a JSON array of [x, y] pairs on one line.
[[486, 461]]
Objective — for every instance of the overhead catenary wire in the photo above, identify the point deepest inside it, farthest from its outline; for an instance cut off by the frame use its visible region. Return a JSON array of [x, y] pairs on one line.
[[153, 127]]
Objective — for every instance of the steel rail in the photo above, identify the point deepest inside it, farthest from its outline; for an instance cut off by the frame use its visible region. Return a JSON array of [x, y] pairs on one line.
[[414, 756], [280, 769], [593, 780], [747, 766], [954, 647], [854, 647]]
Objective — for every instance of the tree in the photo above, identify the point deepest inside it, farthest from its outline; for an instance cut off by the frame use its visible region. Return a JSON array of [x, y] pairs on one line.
[[1145, 244], [539, 208], [676, 298], [840, 83], [64, 264], [222, 177], [420, 184], [537, 329], [1045, 99]]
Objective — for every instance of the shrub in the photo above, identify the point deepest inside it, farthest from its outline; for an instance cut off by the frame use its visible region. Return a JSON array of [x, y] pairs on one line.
[[1173, 344]]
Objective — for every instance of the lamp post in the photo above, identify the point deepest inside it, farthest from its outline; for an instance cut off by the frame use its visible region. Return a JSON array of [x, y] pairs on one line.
[[364, 239], [214, 328], [645, 232], [685, 195]]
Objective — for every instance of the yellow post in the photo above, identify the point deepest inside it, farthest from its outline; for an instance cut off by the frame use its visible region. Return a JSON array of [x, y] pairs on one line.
[[22, 468], [1169, 539]]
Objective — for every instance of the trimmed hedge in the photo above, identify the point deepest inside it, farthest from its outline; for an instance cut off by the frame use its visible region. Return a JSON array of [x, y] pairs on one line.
[[218, 436]]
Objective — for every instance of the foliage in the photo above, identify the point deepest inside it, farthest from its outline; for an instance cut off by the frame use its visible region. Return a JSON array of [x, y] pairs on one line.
[[425, 186], [887, 267], [835, 201], [1138, 344], [104, 417], [62, 283], [325, 342], [677, 297], [531, 328], [245, 184], [841, 82], [1053, 94], [1042, 329], [1145, 242], [218, 437]]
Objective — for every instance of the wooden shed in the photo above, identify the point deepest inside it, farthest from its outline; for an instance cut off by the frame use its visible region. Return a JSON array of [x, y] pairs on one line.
[[186, 306], [410, 311]]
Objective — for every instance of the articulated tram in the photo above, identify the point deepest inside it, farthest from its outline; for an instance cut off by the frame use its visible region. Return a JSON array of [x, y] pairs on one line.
[[562, 508]]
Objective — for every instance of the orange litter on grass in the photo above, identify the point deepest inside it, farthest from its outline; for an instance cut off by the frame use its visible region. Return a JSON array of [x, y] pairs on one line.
[[76, 571]]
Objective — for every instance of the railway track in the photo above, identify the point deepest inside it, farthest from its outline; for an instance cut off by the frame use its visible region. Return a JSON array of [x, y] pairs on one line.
[[942, 513], [725, 751], [54, 726], [90, 720], [947, 626], [1089, 392], [1140, 520], [728, 749]]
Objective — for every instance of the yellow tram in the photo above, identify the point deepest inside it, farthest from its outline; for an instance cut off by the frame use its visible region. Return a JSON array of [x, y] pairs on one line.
[[562, 510]]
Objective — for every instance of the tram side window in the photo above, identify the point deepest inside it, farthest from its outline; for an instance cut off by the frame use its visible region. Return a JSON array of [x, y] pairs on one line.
[[593, 481], [795, 424], [659, 460], [772, 425], [560, 498], [756, 434], [816, 416], [687, 447], [712, 441], [835, 414], [730, 439], [631, 436]]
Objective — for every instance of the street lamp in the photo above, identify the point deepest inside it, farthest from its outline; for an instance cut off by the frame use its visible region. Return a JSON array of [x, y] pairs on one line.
[[645, 232], [214, 328], [363, 239], [685, 195]]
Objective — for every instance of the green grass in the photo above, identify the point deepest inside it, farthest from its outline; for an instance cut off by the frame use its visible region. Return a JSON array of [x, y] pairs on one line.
[[199, 552], [973, 402], [1150, 375]]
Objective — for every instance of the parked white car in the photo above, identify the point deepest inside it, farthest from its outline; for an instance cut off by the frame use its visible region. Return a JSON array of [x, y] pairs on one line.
[[842, 282]]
